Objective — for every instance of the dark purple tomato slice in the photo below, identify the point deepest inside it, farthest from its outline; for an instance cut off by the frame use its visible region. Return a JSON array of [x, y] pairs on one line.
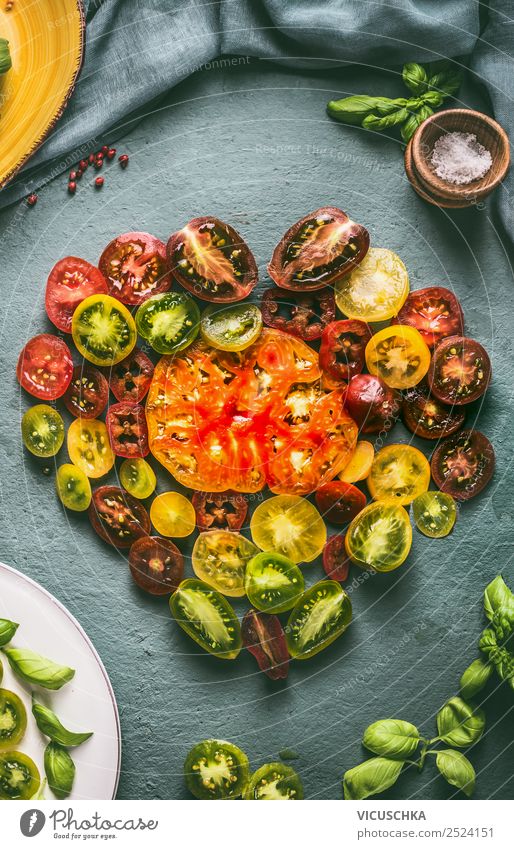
[[317, 250], [71, 281], [343, 343], [45, 367], [87, 395], [117, 517], [127, 429], [460, 370], [427, 417], [303, 314], [156, 565], [264, 637], [130, 380], [339, 502], [372, 404], [435, 312], [336, 562], [463, 464], [212, 261], [220, 510], [134, 265]]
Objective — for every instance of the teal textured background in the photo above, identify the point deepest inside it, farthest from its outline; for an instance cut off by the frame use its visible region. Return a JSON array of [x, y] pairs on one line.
[[251, 143]]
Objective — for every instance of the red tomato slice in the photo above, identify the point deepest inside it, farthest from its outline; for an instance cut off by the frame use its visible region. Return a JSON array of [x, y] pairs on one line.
[[339, 502], [70, 281], [336, 562], [135, 267], [435, 312], [128, 433], [87, 395], [130, 380], [45, 367]]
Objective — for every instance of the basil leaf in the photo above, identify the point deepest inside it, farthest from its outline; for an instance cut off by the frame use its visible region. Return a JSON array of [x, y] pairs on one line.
[[7, 631], [393, 738], [371, 777], [352, 110], [49, 724], [288, 755], [459, 724], [415, 77], [457, 770], [497, 596], [60, 770], [38, 670], [475, 678], [378, 122]]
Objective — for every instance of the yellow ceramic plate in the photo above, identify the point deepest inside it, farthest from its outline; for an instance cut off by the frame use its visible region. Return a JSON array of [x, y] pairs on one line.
[[46, 40]]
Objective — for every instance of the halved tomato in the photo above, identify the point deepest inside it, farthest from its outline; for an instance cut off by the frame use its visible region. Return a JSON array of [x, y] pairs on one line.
[[89, 447], [275, 781], [339, 502], [224, 511], [138, 477], [427, 417], [207, 617], [19, 776], [336, 562], [317, 250], [343, 344], [289, 525], [220, 559], [70, 281], [173, 515], [118, 518], [45, 367], [435, 312], [359, 465], [42, 430], [231, 328], [134, 265], [131, 378], [212, 261], [320, 616], [399, 474], [434, 513], [371, 403], [264, 638], [380, 537], [272, 582], [375, 290], [88, 392], [156, 565], [103, 330], [463, 464], [169, 322], [304, 314], [460, 371], [398, 355], [215, 769], [128, 433], [13, 719], [73, 487]]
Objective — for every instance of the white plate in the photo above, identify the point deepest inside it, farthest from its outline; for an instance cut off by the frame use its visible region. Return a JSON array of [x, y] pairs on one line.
[[86, 703]]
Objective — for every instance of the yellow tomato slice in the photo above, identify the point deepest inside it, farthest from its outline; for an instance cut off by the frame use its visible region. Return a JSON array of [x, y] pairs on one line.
[[376, 289], [360, 464], [380, 537], [173, 515], [137, 477], [289, 525], [399, 474], [398, 355], [89, 447]]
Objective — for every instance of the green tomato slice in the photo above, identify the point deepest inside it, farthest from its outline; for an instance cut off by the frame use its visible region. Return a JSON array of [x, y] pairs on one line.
[[275, 781], [42, 430], [215, 769], [103, 330], [13, 719], [207, 617], [220, 558], [435, 513], [231, 328], [138, 477], [320, 616], [73, 487], [169, 322], [380, 537], [19, 776], [273, 583]]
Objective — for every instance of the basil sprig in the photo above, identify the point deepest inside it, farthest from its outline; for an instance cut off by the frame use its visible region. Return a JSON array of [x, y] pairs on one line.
[[7, 631], [430, 87], [50, 725], [38, 670], [496, 641], [59, 769], [456, 769]]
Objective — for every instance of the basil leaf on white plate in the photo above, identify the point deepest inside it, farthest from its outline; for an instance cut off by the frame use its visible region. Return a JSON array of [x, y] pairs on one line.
[[7, 631], [38, 670], [50, 725], [59, 769]]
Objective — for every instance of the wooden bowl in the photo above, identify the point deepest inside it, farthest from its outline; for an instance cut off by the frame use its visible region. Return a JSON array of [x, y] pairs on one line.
[[46, 40], [422, 191], [488, 132]]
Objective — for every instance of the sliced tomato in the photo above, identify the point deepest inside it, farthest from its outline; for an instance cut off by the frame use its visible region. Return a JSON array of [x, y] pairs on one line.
[[427, 417], [88, 392], [318, 250], [118, 518], [156, 565], [127, 429], [339, 502], [336, 562], [264, 637], [224, 511], [359, 466], [45, 367], [134, 265], [321, 615], [131, 378], [463, 464], [343, 344], [304, 314], [70, 281], [380, 537], [460, 370], [212, 261], [372, 404], [435, 312], [398, 355], [375, 290], [399, 474]]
